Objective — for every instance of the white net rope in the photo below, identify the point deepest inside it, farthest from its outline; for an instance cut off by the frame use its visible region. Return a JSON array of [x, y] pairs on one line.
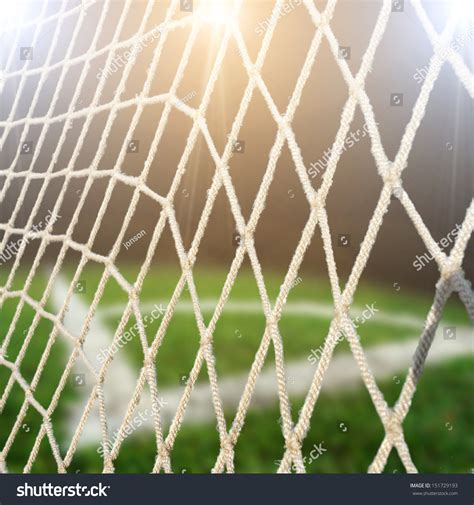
[[450, 266]]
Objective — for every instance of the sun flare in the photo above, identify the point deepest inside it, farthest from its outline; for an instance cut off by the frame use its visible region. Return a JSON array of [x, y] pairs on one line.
[[216, 12]]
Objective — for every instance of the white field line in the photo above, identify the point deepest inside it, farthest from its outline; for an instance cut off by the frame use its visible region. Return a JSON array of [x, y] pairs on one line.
[[343, 374], [301, 308], [385, 360], [120, 379]]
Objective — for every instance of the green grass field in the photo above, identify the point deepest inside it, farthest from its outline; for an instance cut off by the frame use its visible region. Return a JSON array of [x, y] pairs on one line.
[[440, 402]]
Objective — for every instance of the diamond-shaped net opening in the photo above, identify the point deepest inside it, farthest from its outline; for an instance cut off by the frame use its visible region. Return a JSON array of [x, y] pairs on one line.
[[63, 163]]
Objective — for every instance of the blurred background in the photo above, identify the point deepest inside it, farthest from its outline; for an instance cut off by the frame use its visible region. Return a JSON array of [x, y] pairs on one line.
[[56, 74]]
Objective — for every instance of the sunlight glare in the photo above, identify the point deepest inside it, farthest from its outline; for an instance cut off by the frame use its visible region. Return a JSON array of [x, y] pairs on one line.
[[11, 13], [216, 12], [465, 8]]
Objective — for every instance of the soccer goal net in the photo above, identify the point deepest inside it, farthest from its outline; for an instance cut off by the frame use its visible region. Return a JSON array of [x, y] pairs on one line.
[[65, 66]]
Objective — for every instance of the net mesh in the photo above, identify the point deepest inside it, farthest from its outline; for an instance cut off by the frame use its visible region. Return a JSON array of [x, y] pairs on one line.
[[451, 280]]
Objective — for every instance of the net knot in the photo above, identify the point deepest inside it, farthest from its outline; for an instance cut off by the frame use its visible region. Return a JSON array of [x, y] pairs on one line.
[[392, 178], [282, 124], [227, 445], [293, 443], [148, 362], [248, 236], [206, 340], [163, 451], [167, 205], [341, 311], [458, 281], [29, 395], [133, 295], [323, 19], [450, 270], [355, 90], [316, 202], [254, 72], [271, 321], [109, 467], [393, 428], [441, 50], [199, 118]]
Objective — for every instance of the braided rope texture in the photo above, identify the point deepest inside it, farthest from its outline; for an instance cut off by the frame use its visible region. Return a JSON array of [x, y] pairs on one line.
[[450, 266]]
